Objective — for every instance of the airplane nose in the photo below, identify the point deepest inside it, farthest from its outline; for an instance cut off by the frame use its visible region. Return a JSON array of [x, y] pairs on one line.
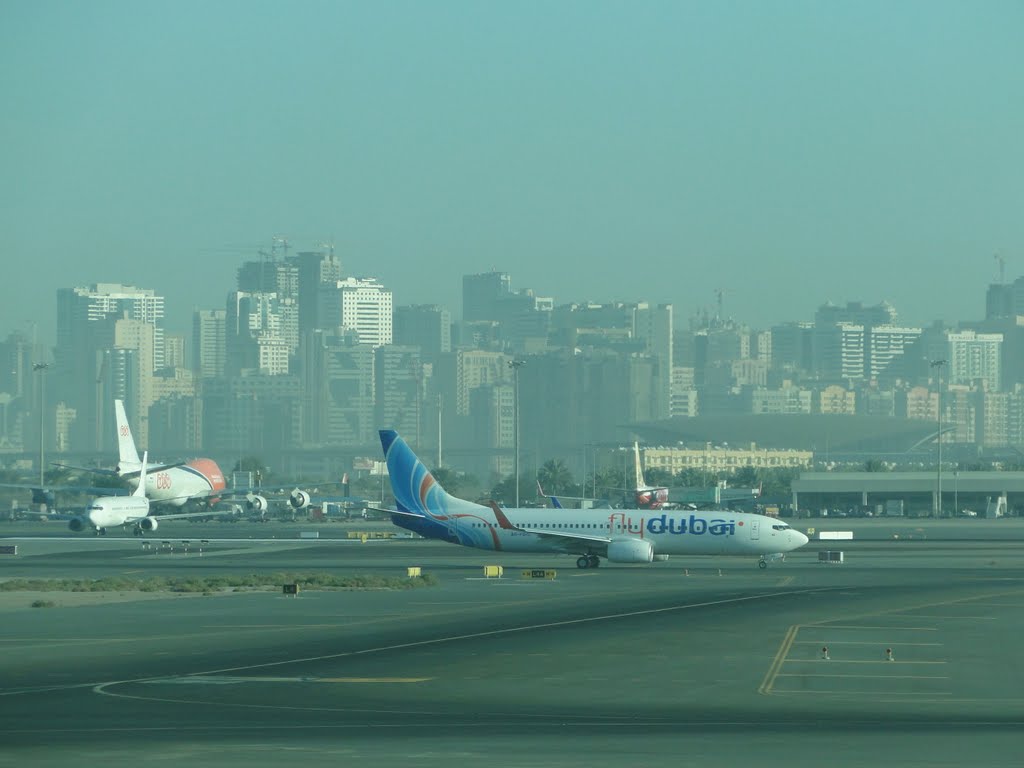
[[801, 539]]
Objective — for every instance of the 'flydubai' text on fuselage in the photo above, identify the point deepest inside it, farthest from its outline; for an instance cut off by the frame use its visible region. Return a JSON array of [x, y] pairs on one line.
[[693, 525], [697, 526]]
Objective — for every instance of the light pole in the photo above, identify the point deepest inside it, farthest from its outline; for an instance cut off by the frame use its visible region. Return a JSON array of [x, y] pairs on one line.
[[440, 405], [937, 365], [40, 368], [515, 365], [956, 492]]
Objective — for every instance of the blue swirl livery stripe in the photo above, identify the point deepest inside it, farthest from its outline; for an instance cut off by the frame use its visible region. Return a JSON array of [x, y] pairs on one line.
[[414, 487], [441, 516]]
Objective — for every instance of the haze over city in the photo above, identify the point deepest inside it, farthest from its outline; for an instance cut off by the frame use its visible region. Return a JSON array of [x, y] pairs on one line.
[[789, 153]]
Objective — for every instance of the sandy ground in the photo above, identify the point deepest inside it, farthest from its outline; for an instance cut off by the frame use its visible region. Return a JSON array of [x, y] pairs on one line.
[[14, 601]]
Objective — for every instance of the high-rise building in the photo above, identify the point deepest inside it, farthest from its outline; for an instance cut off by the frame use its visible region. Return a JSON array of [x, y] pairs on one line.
[[261, 333], [975, 357], [87, 330], [480, 294], [492, 416], [20, 387], [835, 353], [338, 389], [127, 374], [208, 342], [855, 352], [886, 344], [174, 351], [270, 275], [399, 389], [791, 346], [250, 415], [652, 325], [315, 270], [359, 304], [999, 301], [426, 326]]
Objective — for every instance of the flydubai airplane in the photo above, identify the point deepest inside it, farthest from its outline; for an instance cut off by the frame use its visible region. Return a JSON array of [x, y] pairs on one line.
[[111, 511], [621, 536]]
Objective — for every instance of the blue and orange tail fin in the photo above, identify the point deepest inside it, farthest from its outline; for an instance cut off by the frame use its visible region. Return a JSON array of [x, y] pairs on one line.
[[415, 489]]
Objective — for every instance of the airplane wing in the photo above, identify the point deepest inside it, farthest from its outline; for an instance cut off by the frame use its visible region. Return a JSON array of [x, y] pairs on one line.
[[242, 490], [41, 493], [384, 511], [90, 470], [115, 473], [183, 515]]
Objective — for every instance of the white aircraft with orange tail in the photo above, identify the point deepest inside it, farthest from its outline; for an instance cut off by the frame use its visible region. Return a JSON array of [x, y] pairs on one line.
[[197, 480], [135, 511], [175, 484]]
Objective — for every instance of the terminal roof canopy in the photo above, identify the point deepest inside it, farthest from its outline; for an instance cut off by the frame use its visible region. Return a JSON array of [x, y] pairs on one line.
[[821, 433]]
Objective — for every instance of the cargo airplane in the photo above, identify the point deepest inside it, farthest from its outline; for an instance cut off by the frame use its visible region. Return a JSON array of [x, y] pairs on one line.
[[111, 511], [197, 480], [175, 484], [620, 536]]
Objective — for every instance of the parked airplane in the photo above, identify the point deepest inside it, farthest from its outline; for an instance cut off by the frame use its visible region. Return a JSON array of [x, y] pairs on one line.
[[175, 484], [199, 480], [621, 536], [646, 496], [652, 497], [111, 511]]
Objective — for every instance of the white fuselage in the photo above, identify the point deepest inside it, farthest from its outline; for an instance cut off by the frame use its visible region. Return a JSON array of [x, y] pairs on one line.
[[111, 511], [676, 532], [198, 479]]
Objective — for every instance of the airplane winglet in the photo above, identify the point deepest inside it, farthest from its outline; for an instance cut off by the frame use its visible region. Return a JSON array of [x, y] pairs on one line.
[[503, 521], [141, 489]]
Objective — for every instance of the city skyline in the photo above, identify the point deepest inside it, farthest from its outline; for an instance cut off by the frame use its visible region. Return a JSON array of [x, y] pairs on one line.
[[788, 154], [179, 321]]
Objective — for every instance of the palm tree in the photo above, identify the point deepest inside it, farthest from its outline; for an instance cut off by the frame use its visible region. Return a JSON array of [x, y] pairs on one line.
[[555, 477]]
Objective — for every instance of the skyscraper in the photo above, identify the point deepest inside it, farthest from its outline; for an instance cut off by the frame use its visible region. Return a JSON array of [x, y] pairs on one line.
[[480, 293], [426, 326], [359, 304], [208, 339], [87, 329]]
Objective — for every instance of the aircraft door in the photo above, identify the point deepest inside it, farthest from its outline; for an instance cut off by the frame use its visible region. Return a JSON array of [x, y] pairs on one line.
[[755, 530]]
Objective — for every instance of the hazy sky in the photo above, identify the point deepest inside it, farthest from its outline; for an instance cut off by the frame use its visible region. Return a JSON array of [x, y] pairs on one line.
[[787, 152]]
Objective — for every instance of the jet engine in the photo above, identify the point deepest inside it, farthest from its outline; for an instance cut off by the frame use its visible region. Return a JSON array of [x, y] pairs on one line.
[[630, 551], [77, 524], [298, 499], [256, 503], [148, 524]]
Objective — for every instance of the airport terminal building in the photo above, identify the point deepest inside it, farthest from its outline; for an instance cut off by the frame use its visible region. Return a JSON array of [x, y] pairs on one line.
[[991, 494]]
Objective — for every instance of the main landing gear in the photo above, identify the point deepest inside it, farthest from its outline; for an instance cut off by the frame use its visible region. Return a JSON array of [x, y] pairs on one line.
[[588, 561], [762, 563], [99, 532]]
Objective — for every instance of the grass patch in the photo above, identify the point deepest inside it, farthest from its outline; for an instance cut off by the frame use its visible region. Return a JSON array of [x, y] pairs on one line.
[[43, 604], [210, 585]]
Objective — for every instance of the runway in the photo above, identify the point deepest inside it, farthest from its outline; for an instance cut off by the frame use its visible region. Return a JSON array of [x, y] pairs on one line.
[[696, 661]]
